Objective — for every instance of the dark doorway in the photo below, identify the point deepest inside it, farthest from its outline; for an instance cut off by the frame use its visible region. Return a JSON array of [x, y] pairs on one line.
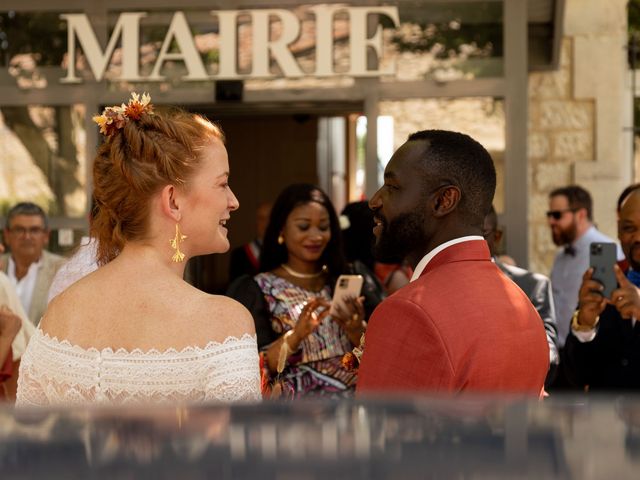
[[266, 153]]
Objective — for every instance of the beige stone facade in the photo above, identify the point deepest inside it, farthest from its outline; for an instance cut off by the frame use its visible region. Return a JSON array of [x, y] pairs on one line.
[[578, 119], [579, 116]]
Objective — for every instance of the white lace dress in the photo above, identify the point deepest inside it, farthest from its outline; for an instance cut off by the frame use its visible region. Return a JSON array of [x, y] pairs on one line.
[[54, 372]]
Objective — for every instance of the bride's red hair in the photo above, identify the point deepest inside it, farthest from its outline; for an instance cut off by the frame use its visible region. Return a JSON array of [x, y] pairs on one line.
[[134, 163]]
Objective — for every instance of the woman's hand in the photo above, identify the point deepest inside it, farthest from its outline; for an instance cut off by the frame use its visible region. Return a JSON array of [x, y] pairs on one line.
[[312, 315], [351, 318]]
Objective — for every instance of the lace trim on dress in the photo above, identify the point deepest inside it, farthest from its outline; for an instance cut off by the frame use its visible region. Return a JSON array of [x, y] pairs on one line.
[[137, 351], [54, 372]]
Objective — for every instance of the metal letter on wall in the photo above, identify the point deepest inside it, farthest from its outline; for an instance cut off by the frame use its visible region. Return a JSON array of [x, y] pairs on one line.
[[180, 31], [264, 49], [228, 66], [262, 45], [359, 41], [324, 37], [128, 25]]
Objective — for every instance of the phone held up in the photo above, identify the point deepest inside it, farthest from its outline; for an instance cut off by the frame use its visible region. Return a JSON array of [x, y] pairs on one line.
[[346, 286], [602, 258]]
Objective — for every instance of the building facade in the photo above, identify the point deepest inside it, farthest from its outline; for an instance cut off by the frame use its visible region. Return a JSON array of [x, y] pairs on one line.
[[325, 92]]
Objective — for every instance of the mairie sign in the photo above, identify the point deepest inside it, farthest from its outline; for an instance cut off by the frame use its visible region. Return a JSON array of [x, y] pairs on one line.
[[179, 44]]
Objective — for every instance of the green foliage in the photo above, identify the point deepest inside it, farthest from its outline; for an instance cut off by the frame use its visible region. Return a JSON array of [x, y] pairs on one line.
[[41, 33], [446, 40], [633, 29]]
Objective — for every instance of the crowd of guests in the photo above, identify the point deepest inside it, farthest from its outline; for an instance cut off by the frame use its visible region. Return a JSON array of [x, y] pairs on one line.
[[439, 311]]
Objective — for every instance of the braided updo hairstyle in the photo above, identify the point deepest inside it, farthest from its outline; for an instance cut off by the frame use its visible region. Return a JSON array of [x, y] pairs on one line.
[[137, 161]]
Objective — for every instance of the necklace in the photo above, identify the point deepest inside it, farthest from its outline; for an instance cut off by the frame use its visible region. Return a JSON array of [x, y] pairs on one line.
[[295, 274]]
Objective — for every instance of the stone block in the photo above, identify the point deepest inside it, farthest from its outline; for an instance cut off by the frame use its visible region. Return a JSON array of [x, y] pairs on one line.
[[534, 115], [549, 85], [548, 176], [556, 114], [538, 145], [566, 49], [592, 17], [573, 145], [542, 249], [538, 206], [599, 67]]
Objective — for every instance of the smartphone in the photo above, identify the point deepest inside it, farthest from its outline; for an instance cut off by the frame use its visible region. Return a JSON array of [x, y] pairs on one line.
[[602, 258], [346, 286]]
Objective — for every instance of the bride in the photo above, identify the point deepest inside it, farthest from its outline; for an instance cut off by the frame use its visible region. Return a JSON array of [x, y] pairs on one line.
[[134, 331]]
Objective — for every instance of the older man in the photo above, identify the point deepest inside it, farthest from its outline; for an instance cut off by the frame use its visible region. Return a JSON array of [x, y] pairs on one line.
[[460, 324], [29, 266]]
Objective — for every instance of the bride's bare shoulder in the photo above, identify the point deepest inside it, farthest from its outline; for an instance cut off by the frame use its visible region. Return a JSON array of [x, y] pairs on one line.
[[63, 307], [227, 313]]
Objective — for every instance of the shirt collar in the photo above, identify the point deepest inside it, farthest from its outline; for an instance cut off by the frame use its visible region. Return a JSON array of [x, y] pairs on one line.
[[422, 264], [584, 239], [11, 266]]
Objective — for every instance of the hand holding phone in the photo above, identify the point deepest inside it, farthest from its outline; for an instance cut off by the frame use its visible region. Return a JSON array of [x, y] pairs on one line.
[[597, 283], [602, 259], [347, 286]]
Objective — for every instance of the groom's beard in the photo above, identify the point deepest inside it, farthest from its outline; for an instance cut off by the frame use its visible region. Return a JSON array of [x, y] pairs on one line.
[[400, 237]]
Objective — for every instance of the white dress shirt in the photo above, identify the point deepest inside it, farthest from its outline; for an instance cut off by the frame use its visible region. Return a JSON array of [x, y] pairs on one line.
[[25, 286], [422, 264]]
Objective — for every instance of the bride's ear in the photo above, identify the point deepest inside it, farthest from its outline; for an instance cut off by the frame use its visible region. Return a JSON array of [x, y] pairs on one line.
[[170, 202]]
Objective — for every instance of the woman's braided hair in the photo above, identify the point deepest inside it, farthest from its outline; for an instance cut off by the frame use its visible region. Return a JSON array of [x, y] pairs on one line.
[[142, 153]]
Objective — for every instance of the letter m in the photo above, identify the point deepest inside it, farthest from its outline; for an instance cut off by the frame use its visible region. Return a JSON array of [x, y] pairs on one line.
[[128, 26]]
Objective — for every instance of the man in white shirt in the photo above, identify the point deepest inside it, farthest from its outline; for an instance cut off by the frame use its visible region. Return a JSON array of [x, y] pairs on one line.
[[571, 222], [29, 266]]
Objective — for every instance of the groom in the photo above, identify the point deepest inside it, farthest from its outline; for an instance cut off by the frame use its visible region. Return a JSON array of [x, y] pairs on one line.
[[460, 324]]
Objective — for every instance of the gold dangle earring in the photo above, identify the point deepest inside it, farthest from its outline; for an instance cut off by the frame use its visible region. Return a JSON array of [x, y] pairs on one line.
[[175, 244], [280, 239]]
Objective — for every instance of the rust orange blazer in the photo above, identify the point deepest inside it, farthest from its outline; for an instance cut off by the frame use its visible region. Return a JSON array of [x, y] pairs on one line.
[[462, 326]]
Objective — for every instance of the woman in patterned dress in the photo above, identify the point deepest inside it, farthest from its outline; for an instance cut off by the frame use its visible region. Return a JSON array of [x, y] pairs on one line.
[[302, 345]]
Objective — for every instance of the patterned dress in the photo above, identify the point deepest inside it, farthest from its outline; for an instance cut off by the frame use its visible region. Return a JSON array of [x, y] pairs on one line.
[[315, 369]]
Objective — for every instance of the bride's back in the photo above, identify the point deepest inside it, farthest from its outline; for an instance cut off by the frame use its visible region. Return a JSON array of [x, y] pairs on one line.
[[138, 307], [134, 330]]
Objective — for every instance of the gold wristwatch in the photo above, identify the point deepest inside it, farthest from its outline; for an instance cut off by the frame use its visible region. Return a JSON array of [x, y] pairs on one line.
[[578, 327]]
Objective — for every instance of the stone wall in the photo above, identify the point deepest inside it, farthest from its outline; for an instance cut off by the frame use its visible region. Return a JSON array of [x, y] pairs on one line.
[[577, 120]]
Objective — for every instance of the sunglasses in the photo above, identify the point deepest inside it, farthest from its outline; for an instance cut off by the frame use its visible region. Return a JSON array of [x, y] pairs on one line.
[[557, 214]]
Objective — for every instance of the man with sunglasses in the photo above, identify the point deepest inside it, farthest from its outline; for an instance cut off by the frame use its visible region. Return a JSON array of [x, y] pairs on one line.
[[570, 219], [29, 266]]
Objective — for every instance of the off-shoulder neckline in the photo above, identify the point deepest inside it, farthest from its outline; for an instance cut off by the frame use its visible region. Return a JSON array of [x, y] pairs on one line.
[[212, 344]]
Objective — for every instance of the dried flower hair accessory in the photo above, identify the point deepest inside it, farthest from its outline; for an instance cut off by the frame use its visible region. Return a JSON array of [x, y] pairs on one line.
[[115, 118]]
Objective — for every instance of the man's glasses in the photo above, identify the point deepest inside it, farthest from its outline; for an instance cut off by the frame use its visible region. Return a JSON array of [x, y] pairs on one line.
[[22, 231], [557, 214]]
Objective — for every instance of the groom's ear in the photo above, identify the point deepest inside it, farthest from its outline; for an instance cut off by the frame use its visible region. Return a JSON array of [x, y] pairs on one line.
[[170, 202]]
